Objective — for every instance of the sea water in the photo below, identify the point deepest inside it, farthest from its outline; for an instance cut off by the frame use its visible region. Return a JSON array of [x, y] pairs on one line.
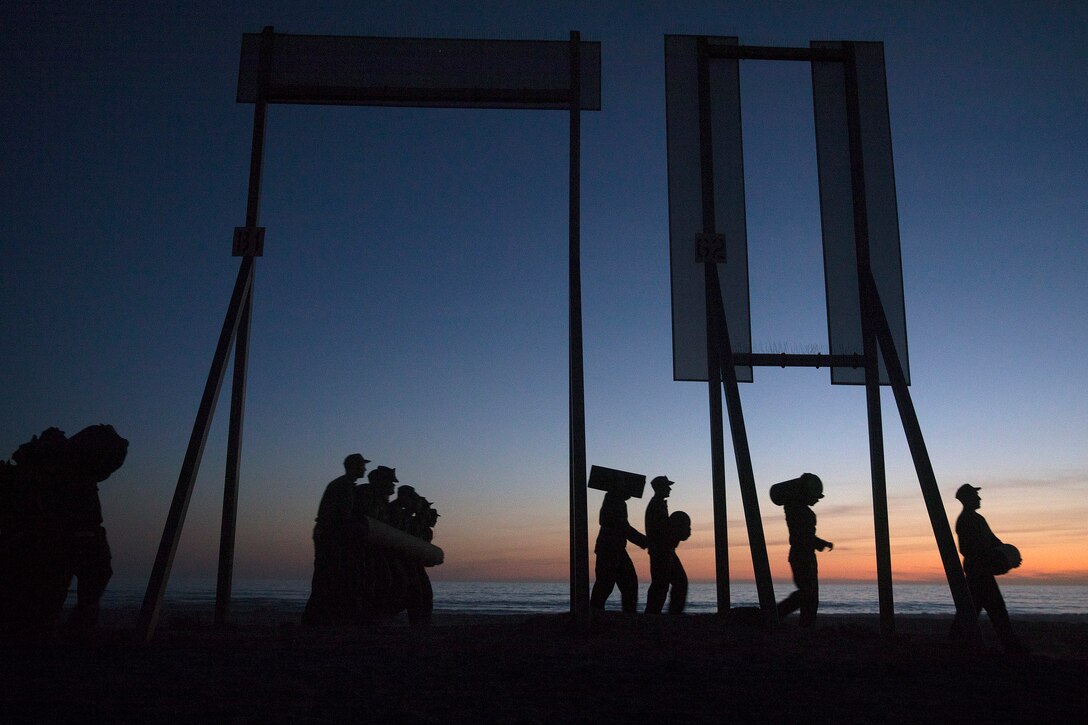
[[554, 597]]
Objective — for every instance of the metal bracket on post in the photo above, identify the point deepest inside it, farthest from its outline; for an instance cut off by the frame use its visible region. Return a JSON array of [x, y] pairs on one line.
[[248, 242]]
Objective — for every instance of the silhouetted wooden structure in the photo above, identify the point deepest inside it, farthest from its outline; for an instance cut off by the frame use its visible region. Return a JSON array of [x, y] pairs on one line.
[[697, 146], [347, 70]]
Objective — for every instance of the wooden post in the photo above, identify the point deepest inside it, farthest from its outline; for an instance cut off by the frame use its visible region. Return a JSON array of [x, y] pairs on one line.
[[871, 349], [579, 524], [713, 334], [717, 451], [224, 582]]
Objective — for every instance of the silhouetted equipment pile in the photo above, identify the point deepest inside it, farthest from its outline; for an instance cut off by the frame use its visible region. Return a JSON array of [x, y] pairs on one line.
[[51, 529], [616, 481], [797, 490]]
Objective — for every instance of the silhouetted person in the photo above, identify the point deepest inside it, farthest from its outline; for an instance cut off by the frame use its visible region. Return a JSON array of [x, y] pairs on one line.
[[979, 548], [801, 522], [51, 530], [614, 567], [429, 520], [94, 453], [405, 509], [335, 538], [32, 565], [380, 583], [421, 595], [666, 571], [372, 497]]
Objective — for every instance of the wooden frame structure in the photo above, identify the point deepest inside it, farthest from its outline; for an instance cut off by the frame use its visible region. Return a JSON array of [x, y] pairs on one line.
[[879, 347], [564, 75]]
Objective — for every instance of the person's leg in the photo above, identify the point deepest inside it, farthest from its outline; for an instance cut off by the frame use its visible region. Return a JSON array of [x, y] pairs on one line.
[[678, 579], [792, 603], [960, 622], [659, 581], [604, 580], [627, 581], [317, 606], [991, 600], [93, 575], [421, 602], [809, 585]]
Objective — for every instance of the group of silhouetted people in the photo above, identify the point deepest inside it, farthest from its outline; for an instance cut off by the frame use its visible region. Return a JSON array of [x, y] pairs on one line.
[[360, 574], [51, 531], [369, 564], [664, 532], [984, 555]]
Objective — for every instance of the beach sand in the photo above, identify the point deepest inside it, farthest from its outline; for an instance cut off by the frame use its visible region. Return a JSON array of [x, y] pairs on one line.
[[536, 669]]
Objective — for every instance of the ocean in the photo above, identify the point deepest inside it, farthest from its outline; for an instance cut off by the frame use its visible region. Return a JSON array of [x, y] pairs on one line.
[[545, 597]]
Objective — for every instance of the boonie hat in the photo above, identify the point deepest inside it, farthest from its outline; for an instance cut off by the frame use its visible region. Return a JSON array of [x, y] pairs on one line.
[[384, 472]]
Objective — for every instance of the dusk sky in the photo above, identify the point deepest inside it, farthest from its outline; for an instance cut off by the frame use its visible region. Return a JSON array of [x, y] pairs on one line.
[[412, 300]]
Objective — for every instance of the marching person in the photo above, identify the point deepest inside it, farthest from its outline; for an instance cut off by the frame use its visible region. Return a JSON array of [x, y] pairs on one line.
[[613, 567], [331, 588], [979, 547], [804, 543], [666, 571]]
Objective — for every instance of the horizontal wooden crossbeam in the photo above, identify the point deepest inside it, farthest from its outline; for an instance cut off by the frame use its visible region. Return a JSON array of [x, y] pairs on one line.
[[757, 52], [784, 360]]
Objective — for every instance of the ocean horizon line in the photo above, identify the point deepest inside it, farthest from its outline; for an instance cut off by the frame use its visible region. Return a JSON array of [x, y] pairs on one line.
[[289, 596], [192, 580]]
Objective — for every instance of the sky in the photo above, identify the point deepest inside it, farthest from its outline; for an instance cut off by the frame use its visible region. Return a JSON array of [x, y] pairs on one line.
[[411, 303]]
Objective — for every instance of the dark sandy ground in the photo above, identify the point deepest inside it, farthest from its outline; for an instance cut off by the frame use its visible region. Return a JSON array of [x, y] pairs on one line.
[[507, 669]]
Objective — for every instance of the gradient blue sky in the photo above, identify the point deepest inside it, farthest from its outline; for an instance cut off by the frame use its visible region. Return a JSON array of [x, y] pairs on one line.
[[411, 303]]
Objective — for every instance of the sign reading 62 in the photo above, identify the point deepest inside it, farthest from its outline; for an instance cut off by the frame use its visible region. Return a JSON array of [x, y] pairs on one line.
[[710, 248]]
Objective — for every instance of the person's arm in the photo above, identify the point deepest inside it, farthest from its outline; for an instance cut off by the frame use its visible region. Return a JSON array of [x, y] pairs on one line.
[[636, 537]]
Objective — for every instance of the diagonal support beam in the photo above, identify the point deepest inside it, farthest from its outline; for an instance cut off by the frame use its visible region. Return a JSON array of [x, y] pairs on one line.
[[761, 566], [168, 545], [953, 570]]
